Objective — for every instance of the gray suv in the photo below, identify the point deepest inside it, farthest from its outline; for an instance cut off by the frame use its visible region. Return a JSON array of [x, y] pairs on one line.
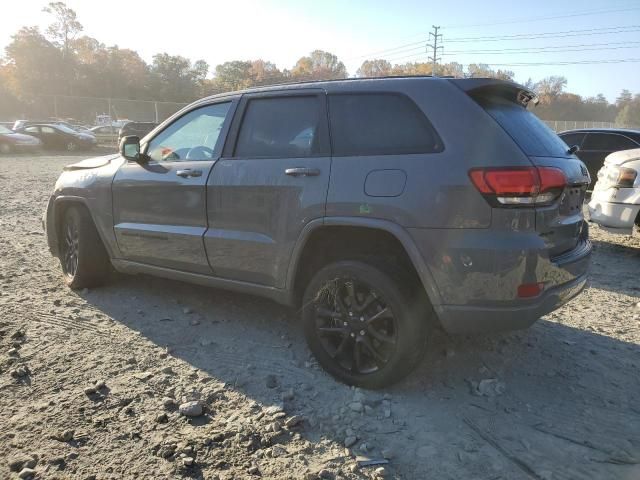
[[377, 207]]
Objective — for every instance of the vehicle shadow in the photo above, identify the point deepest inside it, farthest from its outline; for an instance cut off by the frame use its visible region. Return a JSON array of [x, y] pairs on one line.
[[553, 398]]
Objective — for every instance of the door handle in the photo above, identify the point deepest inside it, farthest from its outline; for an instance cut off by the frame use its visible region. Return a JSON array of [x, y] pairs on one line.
[[302, 172], [187, 172]]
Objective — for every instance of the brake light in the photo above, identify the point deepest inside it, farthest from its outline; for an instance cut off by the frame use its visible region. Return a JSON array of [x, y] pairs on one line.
[[519, 186]]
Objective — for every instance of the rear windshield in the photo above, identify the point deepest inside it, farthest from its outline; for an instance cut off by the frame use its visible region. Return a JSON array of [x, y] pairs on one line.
[[528, 131]]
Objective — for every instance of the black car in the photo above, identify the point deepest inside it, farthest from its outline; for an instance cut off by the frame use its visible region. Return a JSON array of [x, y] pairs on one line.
[[60, 137], [596, 143], [138, 129]]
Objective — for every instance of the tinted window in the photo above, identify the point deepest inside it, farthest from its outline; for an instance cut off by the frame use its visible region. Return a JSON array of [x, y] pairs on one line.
[[379, 124], [192, 137], [572, 139], [608, 142], [31, 129], [528, 131], [48, 130], [281, 127]]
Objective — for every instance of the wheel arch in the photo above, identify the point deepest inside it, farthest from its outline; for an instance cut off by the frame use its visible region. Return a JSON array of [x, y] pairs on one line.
[[55, 216], [296, 269]]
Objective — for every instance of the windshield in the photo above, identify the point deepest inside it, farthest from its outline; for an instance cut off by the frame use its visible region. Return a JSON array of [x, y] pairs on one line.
[[5, 130]]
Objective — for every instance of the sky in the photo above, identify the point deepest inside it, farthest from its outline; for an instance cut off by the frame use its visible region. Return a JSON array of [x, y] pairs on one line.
[[282, 31]]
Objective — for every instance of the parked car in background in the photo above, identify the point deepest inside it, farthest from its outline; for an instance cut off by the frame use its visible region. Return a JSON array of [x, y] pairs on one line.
[[11, 142], [615, 202], [139, 129], [356, 201], [105, 134], [596, 143], [59, 137]]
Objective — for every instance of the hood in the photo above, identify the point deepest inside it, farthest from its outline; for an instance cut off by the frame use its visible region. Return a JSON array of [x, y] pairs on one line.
[[623, 156], [95, 162]]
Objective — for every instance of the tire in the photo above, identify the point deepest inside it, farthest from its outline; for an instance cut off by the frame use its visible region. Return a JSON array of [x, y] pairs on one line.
[[5, 148], [85, 262], [71, 147], [385, 337]]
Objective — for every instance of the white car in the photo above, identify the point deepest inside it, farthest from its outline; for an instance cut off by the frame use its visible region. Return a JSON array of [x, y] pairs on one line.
[[615, 201]]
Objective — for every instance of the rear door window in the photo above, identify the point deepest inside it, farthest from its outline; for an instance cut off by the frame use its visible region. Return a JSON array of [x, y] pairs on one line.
[[379, 124], [531, 134], [607, 142], [281, 127]]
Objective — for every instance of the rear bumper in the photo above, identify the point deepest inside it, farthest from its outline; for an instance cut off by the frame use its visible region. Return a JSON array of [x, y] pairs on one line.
[[477, 319]]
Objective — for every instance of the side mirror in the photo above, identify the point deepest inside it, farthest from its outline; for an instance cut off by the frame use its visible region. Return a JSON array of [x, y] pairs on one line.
[[130, 149]]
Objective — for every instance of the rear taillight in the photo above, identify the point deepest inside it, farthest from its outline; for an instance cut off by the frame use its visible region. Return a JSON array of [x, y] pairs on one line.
[[519, 186]]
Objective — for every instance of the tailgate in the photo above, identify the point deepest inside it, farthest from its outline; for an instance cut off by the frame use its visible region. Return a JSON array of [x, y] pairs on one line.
[[562, 224]]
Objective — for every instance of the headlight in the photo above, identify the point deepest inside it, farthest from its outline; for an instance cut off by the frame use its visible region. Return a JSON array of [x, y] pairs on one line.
[[621, 177]]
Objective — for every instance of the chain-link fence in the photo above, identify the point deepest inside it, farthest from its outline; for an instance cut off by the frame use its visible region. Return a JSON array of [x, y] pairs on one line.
[[562, 125], [91, 111]]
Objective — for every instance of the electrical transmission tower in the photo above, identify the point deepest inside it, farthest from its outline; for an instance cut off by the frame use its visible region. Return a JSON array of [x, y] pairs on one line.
[[437, 37]]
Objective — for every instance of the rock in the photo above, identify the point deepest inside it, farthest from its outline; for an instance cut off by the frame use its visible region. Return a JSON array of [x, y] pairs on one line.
[[18, 462], [350, 441], [26, 473], [187, 461], [13, 352], [380, 472], [490, 387], [168, 370], [89, 390], [356, 406], [18, 334], [162, 418], [169, 403], [20, 372], [325, 474], [100, 384], [271, 381], [364, 448], [253, 470], [273, 409], [191, 409], [293, 421]]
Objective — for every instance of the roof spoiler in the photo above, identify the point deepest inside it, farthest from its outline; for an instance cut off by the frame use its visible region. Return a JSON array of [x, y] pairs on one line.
[[511, 91]]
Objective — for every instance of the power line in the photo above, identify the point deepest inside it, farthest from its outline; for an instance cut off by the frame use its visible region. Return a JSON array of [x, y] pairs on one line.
[[413, 46], [531, 19], [538, 51], [567, 33], [578, 62]]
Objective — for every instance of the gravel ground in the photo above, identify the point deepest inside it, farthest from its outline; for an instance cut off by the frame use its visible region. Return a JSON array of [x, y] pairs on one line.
[[91, 381]]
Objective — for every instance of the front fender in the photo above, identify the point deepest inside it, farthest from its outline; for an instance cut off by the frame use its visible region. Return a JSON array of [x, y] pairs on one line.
[[390, 227]]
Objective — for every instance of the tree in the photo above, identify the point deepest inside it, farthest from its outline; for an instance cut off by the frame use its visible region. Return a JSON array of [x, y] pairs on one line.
[[66, 26], [482, 70], [629, 115], [374, 68], [319, 65], [624, 98], [176, 79], [35, 64], [548, 89]]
